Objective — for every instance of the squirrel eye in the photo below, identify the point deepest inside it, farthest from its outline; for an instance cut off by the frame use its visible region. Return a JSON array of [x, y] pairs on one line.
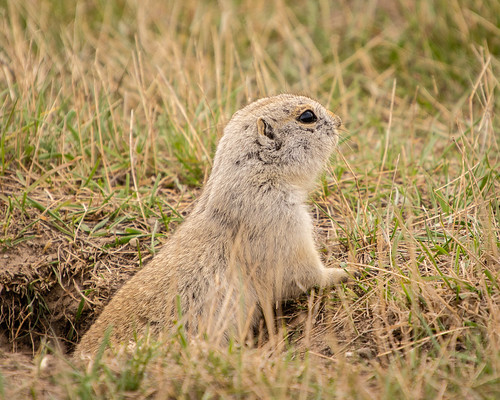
[[307, 117]]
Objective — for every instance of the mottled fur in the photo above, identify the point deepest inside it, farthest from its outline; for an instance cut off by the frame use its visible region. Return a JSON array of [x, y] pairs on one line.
[[249, 241]]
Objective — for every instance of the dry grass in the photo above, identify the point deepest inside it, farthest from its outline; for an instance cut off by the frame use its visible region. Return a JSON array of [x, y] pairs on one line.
[[109, 116]]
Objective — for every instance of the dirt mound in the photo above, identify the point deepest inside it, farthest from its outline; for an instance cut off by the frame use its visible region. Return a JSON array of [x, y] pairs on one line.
[[51, 284]]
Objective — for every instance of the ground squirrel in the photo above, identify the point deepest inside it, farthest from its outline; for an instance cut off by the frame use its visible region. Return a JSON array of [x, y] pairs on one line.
[[248, 243]]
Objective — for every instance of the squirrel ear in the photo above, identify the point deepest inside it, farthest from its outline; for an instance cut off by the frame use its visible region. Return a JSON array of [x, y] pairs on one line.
[[265, 129]]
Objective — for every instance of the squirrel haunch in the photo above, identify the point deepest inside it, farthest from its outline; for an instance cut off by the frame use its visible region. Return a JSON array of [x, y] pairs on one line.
[[248, 242]]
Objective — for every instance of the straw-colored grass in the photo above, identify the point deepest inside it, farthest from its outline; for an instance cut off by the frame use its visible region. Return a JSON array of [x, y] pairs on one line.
[[109, 117]]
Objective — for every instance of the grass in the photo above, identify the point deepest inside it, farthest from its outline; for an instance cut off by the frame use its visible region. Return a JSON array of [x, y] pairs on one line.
[[109, 117]]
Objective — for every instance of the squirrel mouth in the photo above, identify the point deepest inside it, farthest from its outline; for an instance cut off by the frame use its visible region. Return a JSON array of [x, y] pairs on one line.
[[333, 133]]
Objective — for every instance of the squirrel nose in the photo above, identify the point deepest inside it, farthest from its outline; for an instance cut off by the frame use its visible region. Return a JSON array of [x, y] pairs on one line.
[[336, 119]]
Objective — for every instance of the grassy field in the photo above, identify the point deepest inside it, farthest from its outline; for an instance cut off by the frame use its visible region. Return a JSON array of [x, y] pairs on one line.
[[110, 112]]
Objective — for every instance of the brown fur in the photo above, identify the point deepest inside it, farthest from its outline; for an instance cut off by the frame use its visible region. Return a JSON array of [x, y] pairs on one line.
[[248, 243]]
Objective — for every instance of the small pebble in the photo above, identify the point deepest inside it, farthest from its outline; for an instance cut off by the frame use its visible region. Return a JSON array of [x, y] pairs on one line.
[[365, 352]]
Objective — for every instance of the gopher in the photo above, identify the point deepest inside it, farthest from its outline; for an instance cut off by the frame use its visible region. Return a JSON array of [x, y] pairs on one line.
[[248, 244]]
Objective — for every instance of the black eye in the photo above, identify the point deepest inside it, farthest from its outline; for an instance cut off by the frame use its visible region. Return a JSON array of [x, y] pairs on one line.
[[307, 117]]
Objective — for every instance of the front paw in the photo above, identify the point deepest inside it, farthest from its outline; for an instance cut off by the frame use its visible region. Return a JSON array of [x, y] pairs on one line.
[[341, 275], [336, 276]]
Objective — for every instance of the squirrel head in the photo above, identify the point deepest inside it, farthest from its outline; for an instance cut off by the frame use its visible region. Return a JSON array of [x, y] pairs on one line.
[[284, 137]]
